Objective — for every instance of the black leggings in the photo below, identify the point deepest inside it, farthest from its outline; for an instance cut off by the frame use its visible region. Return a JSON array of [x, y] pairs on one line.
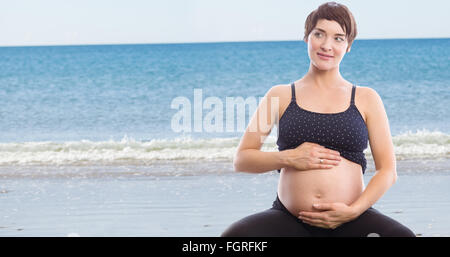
[[278, 222]]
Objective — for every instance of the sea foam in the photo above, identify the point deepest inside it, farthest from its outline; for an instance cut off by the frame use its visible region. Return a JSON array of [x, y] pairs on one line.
[[421, 144]]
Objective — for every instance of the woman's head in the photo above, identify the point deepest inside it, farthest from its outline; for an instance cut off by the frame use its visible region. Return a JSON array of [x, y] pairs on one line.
[[329, 30]]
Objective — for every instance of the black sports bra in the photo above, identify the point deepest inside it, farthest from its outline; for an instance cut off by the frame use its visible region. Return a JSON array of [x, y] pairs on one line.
[[345, 132]]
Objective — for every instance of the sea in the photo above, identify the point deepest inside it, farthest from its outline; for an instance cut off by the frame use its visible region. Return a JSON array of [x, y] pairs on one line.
[[140, 104]]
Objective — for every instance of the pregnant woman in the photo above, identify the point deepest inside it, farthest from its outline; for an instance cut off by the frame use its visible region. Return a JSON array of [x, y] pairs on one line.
[[324, 125]]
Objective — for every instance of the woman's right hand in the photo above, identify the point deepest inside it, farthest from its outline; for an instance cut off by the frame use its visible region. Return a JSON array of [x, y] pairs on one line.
[[307, 156]]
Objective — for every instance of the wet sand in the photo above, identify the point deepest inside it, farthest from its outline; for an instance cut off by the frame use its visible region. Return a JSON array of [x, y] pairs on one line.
[[186, 199]]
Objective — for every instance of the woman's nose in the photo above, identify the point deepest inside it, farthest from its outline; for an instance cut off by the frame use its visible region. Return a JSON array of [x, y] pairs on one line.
[[326, 45]]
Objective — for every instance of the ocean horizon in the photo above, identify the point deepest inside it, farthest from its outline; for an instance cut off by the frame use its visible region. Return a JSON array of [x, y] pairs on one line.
[[202, 42]]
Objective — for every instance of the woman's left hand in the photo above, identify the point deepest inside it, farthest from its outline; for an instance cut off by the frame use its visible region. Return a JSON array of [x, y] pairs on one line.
[[328, 215]]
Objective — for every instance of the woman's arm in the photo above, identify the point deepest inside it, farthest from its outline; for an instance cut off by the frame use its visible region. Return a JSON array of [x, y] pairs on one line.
[[382, 151], [249, 157]]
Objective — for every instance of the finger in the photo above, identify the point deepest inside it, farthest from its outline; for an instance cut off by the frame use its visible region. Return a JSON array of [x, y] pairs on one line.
[[332, 152], [327, 161], [328, 156], [309, 221], [312, 215], [316, 223], [335, 226], [329, 151], [313, 224]]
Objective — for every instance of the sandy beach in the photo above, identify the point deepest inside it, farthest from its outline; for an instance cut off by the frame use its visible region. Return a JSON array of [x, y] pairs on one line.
[[186, 199]]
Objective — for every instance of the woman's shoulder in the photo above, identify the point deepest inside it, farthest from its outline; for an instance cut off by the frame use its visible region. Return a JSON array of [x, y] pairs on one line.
[[280, 90], [368, 101], [367, 94], [281, 93]]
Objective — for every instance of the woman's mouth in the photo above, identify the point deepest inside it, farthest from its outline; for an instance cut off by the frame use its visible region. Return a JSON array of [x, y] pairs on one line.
[[324, 56]]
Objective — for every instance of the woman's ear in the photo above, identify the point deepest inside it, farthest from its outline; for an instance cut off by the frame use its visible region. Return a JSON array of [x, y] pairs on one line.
[[348, 50]]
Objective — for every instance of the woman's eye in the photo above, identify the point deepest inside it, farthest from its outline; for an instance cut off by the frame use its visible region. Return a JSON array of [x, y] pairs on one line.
[[339, 39], [318, 34]]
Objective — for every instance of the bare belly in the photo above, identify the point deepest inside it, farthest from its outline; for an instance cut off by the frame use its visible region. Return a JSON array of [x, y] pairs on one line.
[[299, 190]]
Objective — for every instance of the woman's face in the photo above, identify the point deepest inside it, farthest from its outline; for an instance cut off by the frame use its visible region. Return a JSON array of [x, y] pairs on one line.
[[327, 45]]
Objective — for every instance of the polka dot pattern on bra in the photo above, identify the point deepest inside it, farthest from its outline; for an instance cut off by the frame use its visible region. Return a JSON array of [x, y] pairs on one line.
[[345, 132]]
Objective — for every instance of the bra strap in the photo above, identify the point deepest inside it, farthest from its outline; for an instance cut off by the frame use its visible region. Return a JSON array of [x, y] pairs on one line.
[[293, 92], [353, 95]]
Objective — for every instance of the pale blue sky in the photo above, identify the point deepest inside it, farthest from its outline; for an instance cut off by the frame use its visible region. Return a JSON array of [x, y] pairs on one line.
[[63, 22]]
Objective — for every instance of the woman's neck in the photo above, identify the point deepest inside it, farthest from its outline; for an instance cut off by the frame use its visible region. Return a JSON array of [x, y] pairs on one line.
[[328, 79]]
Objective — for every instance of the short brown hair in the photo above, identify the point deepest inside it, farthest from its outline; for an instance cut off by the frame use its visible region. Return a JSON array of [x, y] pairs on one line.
[[334, 12]]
